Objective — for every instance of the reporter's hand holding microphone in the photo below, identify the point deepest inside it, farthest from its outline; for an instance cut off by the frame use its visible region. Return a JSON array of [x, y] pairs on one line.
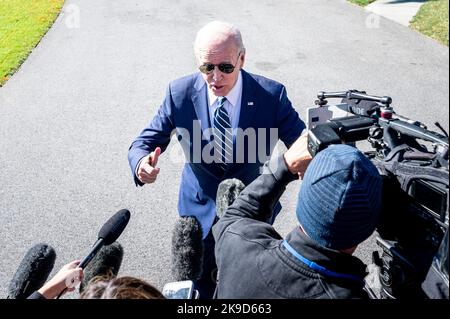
[[39, 260], [66, 280], [147, 171]]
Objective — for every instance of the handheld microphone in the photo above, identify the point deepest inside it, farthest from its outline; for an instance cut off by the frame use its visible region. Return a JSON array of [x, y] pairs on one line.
[[227, 192], [109, 232], [187, 249], [106, 263], [33, 271]]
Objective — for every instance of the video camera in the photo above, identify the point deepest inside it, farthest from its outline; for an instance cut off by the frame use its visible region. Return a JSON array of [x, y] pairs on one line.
[[413, 162]]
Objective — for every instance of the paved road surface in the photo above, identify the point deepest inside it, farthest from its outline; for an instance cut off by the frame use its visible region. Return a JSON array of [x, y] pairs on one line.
[[69, 114]]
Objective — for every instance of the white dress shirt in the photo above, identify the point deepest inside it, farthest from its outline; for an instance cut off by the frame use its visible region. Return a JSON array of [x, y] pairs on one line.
[[232, 104]]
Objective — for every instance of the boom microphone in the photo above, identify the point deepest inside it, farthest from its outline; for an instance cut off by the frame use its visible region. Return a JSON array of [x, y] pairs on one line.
[[110, 231], [106, 263], [227, 192], [33, 271], [187, 249]]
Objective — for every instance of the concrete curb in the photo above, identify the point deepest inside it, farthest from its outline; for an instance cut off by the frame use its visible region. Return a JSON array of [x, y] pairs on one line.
[[400, 11]]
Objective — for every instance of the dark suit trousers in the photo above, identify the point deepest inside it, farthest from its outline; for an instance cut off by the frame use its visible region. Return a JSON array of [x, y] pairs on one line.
[[207, 283]]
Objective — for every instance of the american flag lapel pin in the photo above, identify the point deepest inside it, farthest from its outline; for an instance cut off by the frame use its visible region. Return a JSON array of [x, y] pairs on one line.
[[250, 104]]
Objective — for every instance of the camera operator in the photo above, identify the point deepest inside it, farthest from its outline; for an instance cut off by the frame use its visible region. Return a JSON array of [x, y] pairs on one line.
[[338, 208]]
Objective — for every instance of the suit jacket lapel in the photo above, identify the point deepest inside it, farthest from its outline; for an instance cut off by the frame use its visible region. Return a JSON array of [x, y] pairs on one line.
[[248, 101], [200, 99]]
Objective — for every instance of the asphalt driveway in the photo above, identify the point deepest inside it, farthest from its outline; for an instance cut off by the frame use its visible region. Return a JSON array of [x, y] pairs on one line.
[[68, 115]]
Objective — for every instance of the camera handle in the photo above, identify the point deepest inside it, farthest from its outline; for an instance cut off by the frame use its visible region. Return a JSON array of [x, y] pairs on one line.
[[352, 95]]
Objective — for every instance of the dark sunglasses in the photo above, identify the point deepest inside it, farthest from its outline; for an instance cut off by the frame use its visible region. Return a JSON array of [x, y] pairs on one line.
[[226, 68], [223, 67]]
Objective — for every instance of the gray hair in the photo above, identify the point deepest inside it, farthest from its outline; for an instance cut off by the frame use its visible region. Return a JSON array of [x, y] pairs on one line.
[[218, 30]]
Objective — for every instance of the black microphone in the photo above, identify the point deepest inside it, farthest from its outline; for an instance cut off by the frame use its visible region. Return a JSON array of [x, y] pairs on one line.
[[33, 271], [187, 249], [227, 192], [106, 263], [110, 231]]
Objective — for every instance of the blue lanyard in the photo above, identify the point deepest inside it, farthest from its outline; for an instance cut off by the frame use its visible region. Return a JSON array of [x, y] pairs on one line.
[[316, 267]]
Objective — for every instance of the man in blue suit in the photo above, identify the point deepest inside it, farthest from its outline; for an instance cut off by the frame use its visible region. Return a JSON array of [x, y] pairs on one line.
[[227, 121]]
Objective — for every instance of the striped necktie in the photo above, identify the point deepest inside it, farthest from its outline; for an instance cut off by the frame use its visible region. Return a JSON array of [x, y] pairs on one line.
[[223, 136]]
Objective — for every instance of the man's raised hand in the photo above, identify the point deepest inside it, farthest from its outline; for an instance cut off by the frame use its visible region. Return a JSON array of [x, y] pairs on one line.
[[147, 171]]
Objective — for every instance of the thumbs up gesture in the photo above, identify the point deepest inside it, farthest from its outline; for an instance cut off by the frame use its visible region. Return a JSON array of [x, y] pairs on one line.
[[147, 171]]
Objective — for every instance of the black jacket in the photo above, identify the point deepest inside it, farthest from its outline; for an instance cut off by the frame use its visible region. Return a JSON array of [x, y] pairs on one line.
[[36, 295], [253, 262]]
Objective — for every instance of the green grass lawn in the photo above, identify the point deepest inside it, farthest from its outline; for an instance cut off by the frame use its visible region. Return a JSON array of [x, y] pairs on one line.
[[362, 2], [432, 20], [22, 25]]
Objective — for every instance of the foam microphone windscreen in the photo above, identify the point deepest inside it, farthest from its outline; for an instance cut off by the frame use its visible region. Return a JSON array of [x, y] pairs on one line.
[[187, 249], [112, 229], [227, 192], [106, 263], [32, 272]]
